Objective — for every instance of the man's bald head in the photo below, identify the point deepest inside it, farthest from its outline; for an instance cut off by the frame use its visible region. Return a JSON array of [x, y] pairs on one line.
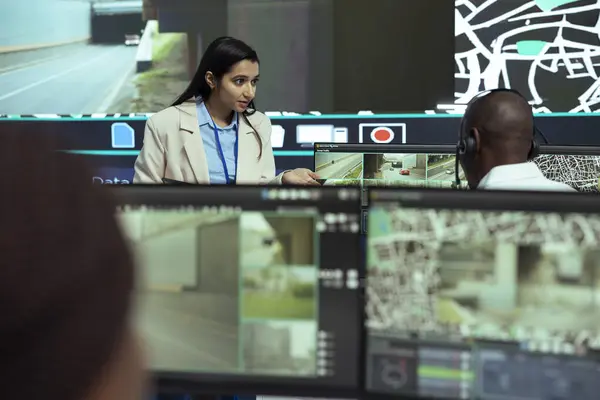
[[501, 126], [504, 121]]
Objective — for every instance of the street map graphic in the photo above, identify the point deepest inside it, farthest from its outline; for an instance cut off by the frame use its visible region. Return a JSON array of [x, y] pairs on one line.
[[579, 172], [549, 50]]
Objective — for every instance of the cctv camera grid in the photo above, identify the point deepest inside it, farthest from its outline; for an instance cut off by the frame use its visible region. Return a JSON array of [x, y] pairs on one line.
[[581, 172], [498, 276], [196, 311], [387, 169]]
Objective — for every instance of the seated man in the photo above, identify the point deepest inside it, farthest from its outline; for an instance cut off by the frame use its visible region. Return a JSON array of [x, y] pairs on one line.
[[497, 142]]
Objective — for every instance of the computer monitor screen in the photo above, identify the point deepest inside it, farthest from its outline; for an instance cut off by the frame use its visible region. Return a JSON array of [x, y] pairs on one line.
[[577, 166], [371, 165], [243, 286], [387, 165], [483, 295]]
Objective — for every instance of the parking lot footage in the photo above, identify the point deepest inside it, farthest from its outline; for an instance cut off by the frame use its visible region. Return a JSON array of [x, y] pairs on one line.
[[280, 347], [546, 286], [189, 295], [211, 282]]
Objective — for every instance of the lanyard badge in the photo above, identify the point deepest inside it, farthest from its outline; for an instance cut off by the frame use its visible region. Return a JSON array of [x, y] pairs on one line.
[[222, 154]]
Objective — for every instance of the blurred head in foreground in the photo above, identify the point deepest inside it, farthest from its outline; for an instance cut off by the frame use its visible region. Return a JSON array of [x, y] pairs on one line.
[[66, 281]]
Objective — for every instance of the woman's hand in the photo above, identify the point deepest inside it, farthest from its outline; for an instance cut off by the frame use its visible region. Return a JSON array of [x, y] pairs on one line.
[[300, 176]]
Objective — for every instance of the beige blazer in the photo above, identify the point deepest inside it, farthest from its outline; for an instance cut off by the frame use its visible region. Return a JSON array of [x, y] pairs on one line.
[[173, 149]]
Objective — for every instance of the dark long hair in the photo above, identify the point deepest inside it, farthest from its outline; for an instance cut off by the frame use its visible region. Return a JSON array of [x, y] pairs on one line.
[[219, 58]]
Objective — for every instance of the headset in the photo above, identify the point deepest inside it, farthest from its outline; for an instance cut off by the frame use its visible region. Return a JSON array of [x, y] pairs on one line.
[[467, 145]]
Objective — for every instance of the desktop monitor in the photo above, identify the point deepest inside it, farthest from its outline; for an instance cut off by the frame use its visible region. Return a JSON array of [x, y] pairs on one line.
[[241, 287], [483, 295], [577, 166], [373, 165], [376, 165]]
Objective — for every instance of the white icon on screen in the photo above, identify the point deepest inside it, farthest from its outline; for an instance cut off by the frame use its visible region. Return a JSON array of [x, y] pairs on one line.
[[340, 135], [277, 136], [381, 132], [307, 135]]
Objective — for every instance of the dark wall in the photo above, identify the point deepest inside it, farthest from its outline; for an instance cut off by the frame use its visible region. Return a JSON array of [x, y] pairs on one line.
[[321, 59], [393, 55], [193, 16], [372, 164], [279, 31], [334, 56], [339, 56], [113, 28]]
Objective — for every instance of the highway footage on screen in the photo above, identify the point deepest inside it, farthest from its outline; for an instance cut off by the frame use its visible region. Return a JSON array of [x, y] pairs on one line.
[[491, 275], [387, 169], [226, 292], [137, 56]]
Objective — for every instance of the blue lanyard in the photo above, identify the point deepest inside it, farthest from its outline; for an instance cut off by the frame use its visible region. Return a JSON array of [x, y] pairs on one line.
[[220, 150]]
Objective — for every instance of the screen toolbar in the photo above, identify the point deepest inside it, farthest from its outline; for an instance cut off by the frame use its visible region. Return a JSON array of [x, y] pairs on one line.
[[111, 143]]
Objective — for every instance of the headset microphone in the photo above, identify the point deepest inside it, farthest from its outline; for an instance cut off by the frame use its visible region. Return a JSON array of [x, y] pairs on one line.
[[457, 165]]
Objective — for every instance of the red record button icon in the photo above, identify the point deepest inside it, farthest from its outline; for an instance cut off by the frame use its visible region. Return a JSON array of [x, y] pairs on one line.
[[382, 134]]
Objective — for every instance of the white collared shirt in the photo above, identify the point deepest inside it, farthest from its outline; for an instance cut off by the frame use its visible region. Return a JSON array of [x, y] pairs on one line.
[[523, 176]]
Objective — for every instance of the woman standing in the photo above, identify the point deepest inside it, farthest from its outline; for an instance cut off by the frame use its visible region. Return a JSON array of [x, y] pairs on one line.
[[213, 134]]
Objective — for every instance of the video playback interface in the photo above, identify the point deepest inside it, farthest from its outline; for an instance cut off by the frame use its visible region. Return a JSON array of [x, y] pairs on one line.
[[386, 165], [376, 165], [235, 291], [485, 305]]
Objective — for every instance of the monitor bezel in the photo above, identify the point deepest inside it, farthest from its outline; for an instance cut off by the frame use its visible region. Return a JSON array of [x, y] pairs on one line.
[[489, 200], [570, 150], [223, 386], [389, 148], [475, 200], [234, 384], [189, 195]]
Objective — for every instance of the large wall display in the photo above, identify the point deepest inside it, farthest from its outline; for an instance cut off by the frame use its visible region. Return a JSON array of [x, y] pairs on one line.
[[549, 50]]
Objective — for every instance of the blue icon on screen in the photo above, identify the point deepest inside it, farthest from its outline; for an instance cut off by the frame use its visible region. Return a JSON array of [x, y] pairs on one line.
[[122, 136]]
